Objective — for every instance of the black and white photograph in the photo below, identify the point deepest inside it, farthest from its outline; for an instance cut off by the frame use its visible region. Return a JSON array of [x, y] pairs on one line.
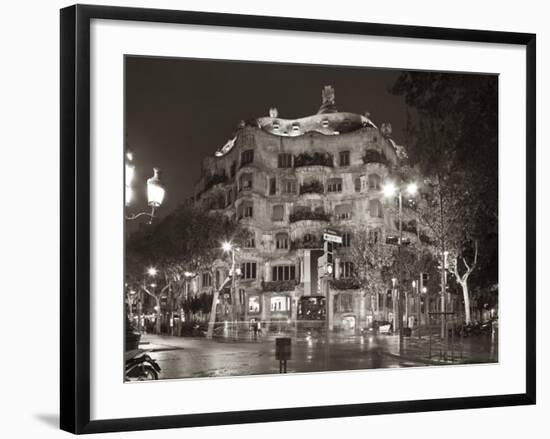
[[298, 218]]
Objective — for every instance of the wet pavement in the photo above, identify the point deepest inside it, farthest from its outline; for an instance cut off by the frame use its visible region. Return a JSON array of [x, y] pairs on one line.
[[186, 357]]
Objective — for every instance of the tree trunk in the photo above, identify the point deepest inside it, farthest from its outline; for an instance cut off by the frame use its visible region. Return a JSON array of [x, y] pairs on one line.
[[466, 295], [158, 316], [212, 320]]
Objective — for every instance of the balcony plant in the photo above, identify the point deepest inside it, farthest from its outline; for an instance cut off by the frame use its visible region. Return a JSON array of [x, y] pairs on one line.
[[279, 285], [313, 159], [345, 284], [304, 215], [312, 187]]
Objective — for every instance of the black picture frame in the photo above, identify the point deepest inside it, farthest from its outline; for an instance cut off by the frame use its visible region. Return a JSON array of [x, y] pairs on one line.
[[75, 217]]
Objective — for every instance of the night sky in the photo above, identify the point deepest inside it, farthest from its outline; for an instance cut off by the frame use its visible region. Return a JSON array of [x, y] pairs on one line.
[[180, 110]]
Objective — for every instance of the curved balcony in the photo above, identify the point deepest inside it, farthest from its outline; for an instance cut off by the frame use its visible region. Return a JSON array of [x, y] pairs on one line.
[[375, 156], [312, 187], [279, 286], [344, 284], [312, 215], [313, 159]]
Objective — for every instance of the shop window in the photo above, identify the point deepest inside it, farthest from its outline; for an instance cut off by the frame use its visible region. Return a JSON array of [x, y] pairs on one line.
[[280, 303], [344, 302], [254, 304]]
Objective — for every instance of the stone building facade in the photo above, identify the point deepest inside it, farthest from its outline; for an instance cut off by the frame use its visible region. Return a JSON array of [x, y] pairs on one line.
[[287, 181]]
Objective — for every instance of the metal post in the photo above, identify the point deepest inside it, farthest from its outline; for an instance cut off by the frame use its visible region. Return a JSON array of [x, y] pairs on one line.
[[234, 294], [418, 306], [399, 276], [140, 312]]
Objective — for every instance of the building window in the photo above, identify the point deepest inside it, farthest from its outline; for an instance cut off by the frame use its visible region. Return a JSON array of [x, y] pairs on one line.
[[343, 211], [278, 213], [344, 302], [346, 269], [247, 157], [344, 158], [233, 169], [374, 182], [346, 239], [254, 304], [281, 240], [245, 182], [283, 272], [250, 241], [334, 185], [289, 186], [375, 208], [248, 270], [206, 280], [374, 236], [280, 303], [246, 210], [357, 184], [272, 186], [285, 161], [217, 279]]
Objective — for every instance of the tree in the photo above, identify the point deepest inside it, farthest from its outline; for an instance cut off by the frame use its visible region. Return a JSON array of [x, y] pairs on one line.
[[187, 241], [452, 141], [371, 260]]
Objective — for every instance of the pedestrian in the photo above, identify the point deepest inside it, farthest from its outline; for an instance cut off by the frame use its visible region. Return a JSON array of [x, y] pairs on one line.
[[255, 329]]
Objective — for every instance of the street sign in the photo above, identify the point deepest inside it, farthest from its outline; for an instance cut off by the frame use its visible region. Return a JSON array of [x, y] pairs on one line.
[[332, 238]]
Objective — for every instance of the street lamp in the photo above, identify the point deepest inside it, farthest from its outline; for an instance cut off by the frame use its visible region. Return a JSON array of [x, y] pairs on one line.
[[129, 178], [152, 271], [155, 190], [390, 189]]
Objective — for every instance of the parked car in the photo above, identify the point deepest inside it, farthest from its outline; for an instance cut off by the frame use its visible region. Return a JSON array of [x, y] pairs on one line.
[[382, 327]]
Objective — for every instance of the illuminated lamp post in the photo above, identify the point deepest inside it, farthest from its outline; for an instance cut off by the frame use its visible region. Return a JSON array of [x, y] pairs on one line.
[[390, 190], [155, 190]]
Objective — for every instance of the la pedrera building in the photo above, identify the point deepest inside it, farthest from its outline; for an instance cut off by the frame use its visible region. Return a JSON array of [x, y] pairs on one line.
[[287, 181]]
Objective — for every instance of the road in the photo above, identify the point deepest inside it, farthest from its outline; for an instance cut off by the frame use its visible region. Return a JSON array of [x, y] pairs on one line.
[[186, 357]]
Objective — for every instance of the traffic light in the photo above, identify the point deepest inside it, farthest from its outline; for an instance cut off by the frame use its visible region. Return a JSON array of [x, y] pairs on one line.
[[329, 258], [424, 278]]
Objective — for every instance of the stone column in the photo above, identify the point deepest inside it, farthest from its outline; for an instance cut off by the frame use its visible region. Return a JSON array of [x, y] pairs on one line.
[[307, 273]]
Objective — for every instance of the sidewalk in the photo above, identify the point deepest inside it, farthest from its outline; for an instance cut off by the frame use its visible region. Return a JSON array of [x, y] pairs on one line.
[[471, 350]]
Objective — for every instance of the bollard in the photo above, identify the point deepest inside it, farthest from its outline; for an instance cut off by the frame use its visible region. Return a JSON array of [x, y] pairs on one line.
[[282, 352]]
